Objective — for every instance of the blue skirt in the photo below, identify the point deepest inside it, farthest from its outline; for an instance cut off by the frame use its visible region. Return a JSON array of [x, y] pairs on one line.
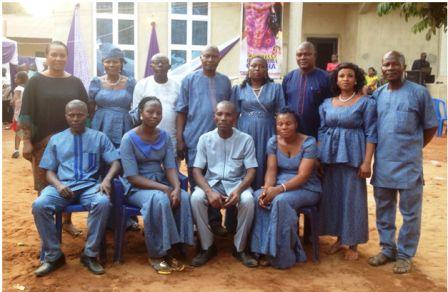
[[343, 207]]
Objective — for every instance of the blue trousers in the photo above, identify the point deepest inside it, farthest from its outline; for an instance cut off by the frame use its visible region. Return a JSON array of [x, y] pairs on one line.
[[410, 208], [49, 201]]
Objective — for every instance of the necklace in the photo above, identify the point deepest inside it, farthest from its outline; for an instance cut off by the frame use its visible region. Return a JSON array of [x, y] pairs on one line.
[[114, 83], [346, 99]]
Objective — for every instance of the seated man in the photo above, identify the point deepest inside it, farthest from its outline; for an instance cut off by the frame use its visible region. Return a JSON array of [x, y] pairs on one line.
[[73, 159], [230, 159]]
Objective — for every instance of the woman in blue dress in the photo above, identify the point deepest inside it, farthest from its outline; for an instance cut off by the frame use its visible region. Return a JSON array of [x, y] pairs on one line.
[[152, 184], [111, 95], [347, 139], [291, 182], [258, 98]]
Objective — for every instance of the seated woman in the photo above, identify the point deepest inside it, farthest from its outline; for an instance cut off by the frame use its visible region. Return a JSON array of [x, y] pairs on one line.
[[290, 183], [152, 184]]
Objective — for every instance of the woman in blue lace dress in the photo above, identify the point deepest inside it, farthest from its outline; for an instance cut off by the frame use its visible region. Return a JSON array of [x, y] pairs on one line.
[[152, 184], [290, 183], [257, 99], [347, 139], [111, 95]]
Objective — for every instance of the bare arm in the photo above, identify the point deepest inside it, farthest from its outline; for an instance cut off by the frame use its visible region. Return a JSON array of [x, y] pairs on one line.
[[213, 197], [181, 119], [106, 184], [365, 170], [142, 182], [428, 134], [62, 189], [270, 178], [234, 197], [173, 178]]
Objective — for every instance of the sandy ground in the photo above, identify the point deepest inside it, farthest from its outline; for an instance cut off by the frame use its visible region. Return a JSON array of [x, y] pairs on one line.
[[21, 248]]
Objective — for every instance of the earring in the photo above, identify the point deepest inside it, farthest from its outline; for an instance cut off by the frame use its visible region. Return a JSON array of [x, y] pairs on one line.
[[141, 118]]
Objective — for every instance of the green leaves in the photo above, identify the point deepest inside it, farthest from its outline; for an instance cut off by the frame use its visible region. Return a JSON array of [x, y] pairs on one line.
[[432, 15]]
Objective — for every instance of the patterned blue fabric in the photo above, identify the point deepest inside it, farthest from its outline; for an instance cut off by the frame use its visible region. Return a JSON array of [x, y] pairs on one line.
[[403, 114], [112, 113], [163, 226], [345, 130], [199, 95], [258, 119], [275, 228], [304, 93], [343, 206], [77, 159]]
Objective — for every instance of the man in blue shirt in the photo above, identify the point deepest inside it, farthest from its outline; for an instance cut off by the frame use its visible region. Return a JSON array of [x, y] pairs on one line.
[[73, 159], [406, 123], [305, 89]]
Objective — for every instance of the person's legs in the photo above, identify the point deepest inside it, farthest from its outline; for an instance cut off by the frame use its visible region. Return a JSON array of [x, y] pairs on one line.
[[409, 235], [199, 206], [43, 209], [99, 208], [386, 204], [246, 210]]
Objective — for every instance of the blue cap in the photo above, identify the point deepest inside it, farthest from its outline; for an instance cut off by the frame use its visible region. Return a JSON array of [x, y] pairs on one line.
[[114, 53]]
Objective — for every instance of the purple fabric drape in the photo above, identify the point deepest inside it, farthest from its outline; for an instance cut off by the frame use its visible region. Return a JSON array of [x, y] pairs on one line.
[[77, 62], [224, 51], [153, 49], [8, 49]]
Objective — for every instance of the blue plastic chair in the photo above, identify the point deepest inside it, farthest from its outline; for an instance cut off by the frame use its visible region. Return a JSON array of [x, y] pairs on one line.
[[440, 108], [58, 222], [122, 211], [311, 213]]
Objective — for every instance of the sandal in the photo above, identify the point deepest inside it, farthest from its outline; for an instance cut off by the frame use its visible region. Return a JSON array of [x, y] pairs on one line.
[[174, 264], [15, 154], [402, 266], [351, 254], [161, 266], [264, 261], [379, 260], [335, 247]]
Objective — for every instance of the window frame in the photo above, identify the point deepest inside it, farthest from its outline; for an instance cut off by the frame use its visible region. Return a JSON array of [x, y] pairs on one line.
[[115, 17], [189, 17]]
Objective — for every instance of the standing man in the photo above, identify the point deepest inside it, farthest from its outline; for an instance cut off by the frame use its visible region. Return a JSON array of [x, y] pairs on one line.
[[228, 156], [406, 123], [421, 63], [305, 88], [200, 92], [165, 89], [73, 160]]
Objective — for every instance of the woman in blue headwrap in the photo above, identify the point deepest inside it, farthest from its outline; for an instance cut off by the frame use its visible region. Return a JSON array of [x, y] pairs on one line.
[[111, 95]]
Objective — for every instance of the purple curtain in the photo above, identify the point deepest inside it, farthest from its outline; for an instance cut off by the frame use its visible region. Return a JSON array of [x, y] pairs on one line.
[[153, 49], [8, 50]]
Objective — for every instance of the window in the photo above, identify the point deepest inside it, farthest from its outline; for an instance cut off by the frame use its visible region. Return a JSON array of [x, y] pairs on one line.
[[115, 24], [189, 28]]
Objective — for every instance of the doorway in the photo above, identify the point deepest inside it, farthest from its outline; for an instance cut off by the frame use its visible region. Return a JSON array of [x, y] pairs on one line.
[[325, 47]]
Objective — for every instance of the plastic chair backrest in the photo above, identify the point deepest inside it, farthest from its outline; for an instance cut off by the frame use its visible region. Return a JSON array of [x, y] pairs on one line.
[[441, 113]]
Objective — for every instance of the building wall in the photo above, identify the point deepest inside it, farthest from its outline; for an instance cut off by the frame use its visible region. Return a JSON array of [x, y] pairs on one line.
[[377, 35]]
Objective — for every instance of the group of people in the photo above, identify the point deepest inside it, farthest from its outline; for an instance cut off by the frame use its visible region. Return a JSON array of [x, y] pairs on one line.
[[261, 150]]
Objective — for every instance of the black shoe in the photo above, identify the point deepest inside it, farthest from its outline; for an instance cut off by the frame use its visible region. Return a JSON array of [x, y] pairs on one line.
[[219, 230], [48, 267], [204, 256], [92, 264], [246, 258]]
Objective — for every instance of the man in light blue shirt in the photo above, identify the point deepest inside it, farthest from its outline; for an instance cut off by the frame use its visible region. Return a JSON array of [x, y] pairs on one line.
[[228, 155], [406, 123], [73, 159]]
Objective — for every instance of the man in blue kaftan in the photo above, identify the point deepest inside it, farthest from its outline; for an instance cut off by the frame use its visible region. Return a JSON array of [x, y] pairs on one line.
[[73, 159], [406, 123]]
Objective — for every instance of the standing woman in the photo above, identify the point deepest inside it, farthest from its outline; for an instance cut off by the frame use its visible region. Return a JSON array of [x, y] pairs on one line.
[[111, 95], [43, 111], [152, 184], [347, 137], [258, 98]]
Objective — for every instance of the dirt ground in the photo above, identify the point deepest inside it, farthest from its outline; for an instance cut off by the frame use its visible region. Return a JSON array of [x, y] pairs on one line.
[[21, 248]]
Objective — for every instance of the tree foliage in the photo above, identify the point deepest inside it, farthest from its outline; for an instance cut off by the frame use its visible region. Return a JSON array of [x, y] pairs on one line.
[[432, 15]]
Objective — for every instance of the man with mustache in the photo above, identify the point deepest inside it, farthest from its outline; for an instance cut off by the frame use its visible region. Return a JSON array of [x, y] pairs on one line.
[[406, 123]]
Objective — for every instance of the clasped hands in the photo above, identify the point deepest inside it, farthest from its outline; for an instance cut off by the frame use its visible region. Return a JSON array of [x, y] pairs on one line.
[[219, 201], [268, 194]]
